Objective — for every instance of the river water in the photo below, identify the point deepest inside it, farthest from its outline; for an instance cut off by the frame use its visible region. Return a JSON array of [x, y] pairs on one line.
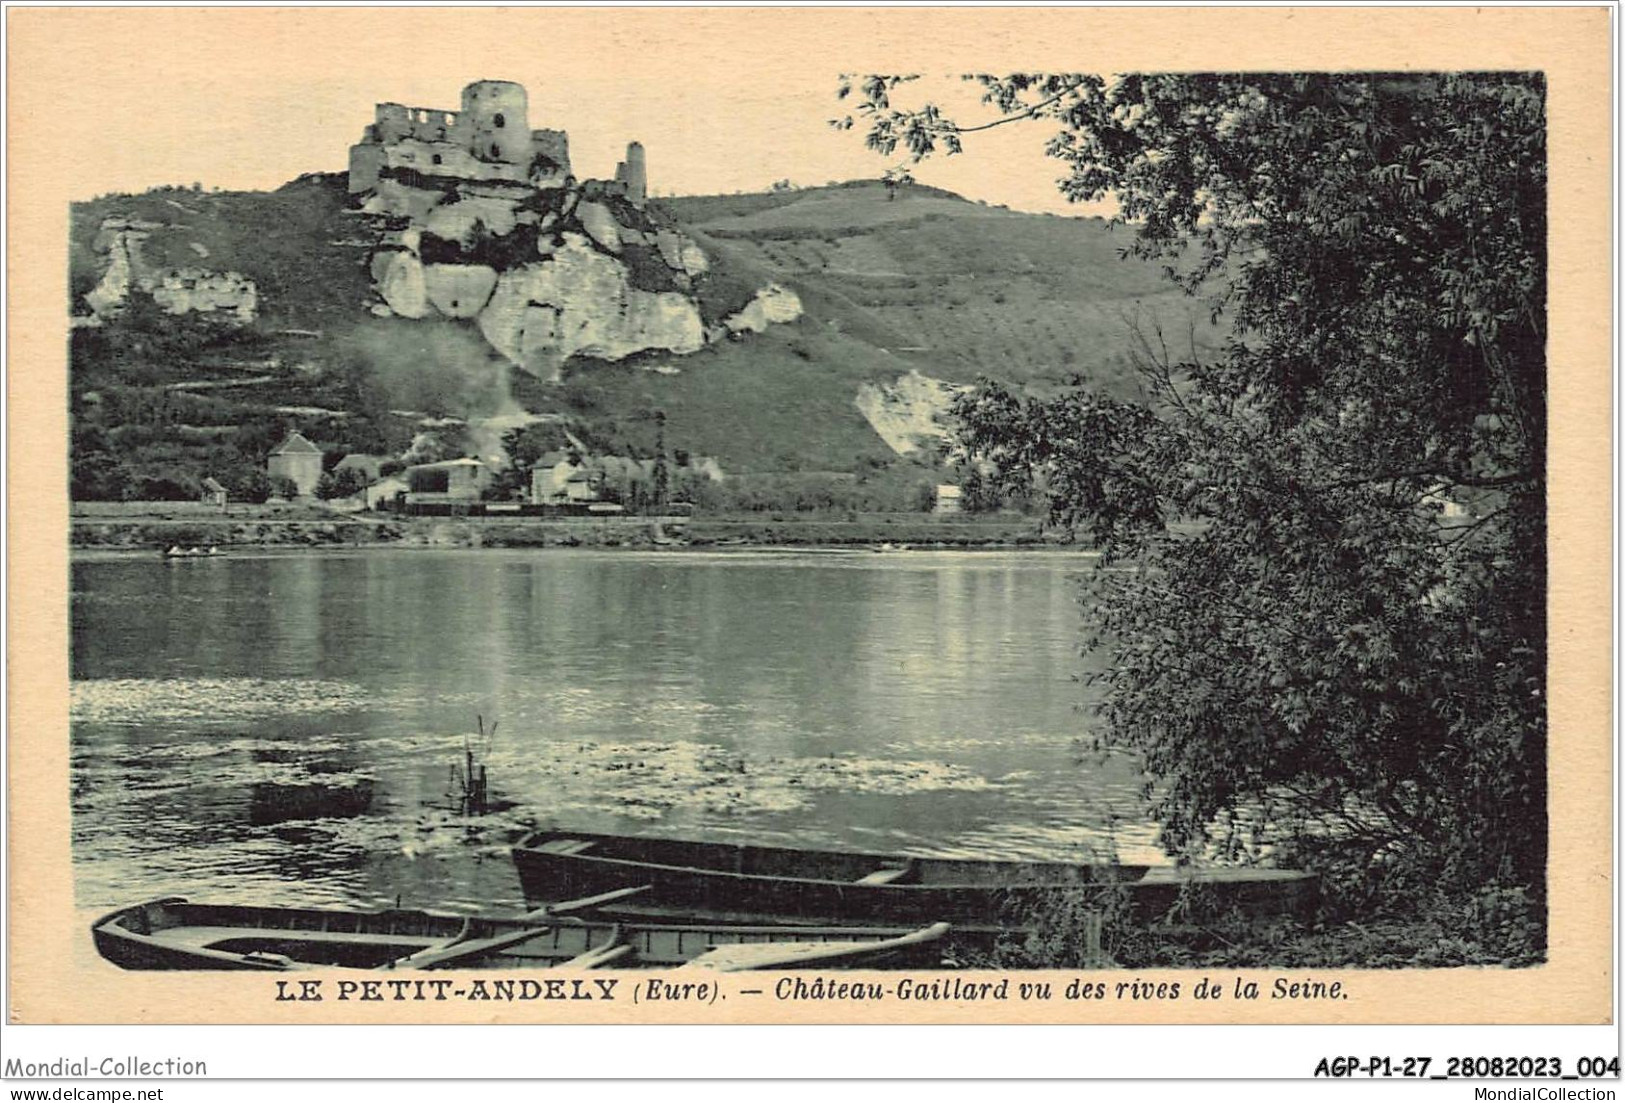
[[281, 728]]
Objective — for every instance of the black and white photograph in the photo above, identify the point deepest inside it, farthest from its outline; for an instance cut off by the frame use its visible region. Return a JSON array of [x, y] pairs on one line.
[[536, 510]]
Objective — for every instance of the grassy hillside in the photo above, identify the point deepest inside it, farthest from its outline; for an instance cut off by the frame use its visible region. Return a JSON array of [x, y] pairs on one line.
[[777, 401], [924, 280], [299, 244], [957, 288]]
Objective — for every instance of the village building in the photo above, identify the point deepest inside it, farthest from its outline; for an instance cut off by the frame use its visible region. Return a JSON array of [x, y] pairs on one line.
[[557, 478], [950, 499], [297, 459], [449, 481], [624, 471], [212, 493]]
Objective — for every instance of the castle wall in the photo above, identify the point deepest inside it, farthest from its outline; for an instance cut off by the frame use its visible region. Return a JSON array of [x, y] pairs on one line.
[[366, 159], [555, 146], [447, 159], [488, 140], [395, 122]]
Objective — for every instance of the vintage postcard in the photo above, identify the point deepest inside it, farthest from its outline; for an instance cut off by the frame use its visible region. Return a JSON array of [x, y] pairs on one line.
[[800, 515]]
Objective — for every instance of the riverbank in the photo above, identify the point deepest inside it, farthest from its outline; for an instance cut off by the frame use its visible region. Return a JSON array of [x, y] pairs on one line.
[[146, 526]]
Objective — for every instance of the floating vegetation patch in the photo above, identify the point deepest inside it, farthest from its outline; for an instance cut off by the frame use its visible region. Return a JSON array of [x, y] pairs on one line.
[[875, 775], [646, 779]]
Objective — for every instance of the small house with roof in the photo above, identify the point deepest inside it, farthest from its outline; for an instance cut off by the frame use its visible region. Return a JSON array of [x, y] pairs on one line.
[[212, 493], [459, 480], [297, 459], [559, 478]]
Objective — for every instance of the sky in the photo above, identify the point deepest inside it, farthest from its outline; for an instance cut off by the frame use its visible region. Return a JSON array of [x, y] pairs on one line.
[[723, 100]]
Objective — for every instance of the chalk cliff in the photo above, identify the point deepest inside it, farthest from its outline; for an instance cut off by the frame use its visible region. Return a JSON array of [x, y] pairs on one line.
[[227, 296], [909, 413]]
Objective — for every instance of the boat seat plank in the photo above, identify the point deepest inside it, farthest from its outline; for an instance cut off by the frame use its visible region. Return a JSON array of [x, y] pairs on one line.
[[565, 846], [882, 876]]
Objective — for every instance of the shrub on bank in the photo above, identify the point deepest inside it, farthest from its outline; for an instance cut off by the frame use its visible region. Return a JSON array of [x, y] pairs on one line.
[[1361, 921]]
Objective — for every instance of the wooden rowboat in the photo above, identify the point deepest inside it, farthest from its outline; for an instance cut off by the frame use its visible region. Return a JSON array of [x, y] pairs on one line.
[[696, 878], [172, 933]]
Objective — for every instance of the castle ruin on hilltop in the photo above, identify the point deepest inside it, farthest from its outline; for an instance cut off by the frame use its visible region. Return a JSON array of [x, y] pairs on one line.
[[489, 141], [477, 217], [471, 216]]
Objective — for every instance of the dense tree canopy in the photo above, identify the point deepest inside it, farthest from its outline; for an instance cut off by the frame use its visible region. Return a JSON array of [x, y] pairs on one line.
[[1323, 582]]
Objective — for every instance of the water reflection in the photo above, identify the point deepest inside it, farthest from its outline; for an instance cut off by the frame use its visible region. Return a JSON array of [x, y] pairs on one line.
[[281, 727]]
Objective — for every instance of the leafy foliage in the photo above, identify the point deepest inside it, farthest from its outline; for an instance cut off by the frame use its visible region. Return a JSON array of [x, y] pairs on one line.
[[340, 483], [1324, 548]]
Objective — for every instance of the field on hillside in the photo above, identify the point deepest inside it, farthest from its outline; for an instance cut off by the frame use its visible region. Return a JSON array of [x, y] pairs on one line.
[[961, 290], [783, 400]]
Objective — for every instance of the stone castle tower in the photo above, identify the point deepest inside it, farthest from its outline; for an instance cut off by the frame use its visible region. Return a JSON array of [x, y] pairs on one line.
[[633, 174], [494, 121]]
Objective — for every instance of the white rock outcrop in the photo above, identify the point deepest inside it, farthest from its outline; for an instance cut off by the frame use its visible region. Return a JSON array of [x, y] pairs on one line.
[[693, 259], [110, 294], [670, 244], [402, 285], [600, 225], [773, 304], [909, 413], [459, 290], [398, 200], [599, 281], [225, 295], [458, 221], [581, 302], [196, 291]]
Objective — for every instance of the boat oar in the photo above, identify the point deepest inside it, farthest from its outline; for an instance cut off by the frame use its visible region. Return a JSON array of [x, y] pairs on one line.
[[462, 947], [586, 903]]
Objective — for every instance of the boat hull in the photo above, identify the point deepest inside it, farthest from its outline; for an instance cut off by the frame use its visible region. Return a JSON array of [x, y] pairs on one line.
[[174, 934], [800, 885], [762, 884]]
